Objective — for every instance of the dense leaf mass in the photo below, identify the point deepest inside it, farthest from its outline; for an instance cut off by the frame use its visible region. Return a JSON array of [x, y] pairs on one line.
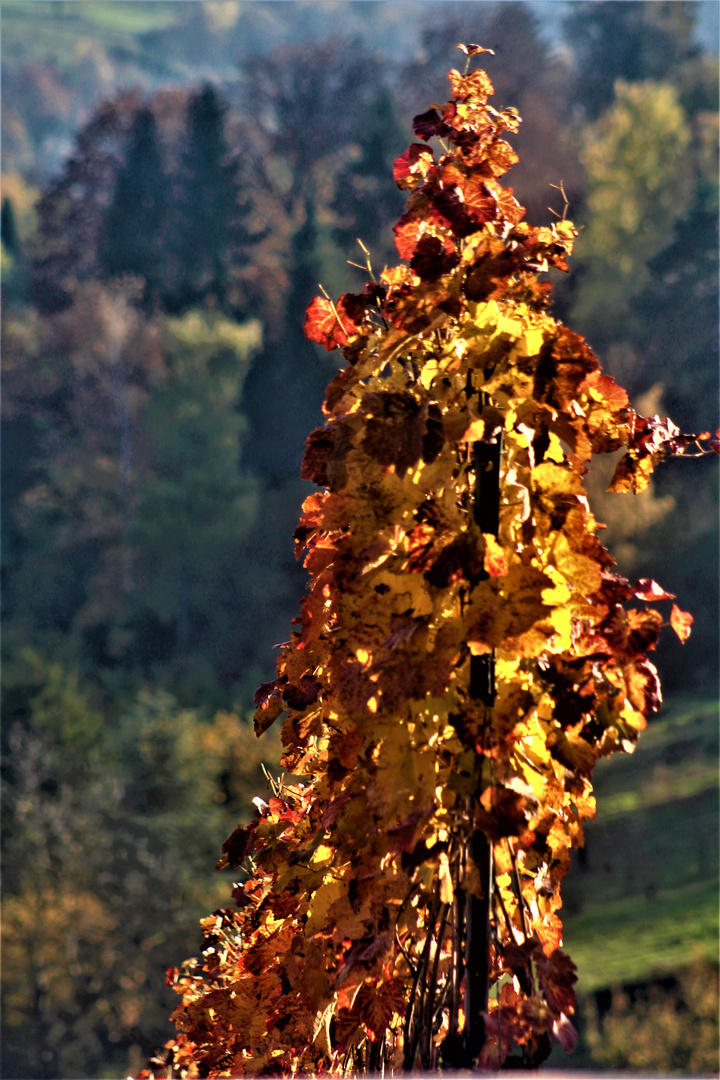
[[345, 947]]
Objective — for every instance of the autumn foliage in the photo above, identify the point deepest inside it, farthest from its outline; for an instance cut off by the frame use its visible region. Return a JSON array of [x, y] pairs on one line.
[[464, 655]]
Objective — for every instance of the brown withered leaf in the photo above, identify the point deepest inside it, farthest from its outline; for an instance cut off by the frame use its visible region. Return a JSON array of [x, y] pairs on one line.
[[429, 124], [318, 448], [268, 704], [305, 693], [332, 325], [426, 307], [503, 813], [420, 219], [376, 1005], [557, 975], [481, 203], [237, 847], [574, 753], [474, 50], [500, 157], [430, 258], [493, 264], [643, 686], [509, 209], [565, 363], [395, 429], [565, 1033]]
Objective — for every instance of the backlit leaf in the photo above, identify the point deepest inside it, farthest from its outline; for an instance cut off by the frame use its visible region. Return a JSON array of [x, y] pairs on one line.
[[681, 622]]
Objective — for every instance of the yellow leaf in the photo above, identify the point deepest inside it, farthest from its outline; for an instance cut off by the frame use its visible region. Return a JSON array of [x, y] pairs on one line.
[[324, 897], [561, 622], [555, 451], [474, 432], [446, 883], [581, 572]]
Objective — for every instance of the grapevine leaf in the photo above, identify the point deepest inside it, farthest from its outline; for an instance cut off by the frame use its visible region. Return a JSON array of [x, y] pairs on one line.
[[681, 622], [647, 589], [429, 124], [475, 50], [476, 85], [411, 168]]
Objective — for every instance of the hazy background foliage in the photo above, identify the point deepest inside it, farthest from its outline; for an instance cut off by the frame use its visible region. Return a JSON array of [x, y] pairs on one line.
[[177, 178]]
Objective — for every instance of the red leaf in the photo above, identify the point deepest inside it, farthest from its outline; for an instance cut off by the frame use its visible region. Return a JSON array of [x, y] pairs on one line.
[[322, 326], [481, 203], [412, 166], [329, 325], [407, 234], [647, 589], [681, 622]]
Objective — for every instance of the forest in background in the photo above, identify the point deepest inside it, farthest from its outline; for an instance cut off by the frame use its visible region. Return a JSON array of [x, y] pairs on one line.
[[158, 389]]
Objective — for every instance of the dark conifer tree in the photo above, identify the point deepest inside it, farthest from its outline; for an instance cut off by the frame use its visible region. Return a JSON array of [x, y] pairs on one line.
[[631, 41], [8, 230], [134, 227], [368, 200], [287, 378], [14, 275], [682, 293], [209, 231]]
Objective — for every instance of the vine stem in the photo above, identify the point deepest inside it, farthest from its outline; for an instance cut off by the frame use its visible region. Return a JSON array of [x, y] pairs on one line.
[[487, 456]]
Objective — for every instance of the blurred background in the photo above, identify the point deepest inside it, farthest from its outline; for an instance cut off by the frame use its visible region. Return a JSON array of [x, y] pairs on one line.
[[177, 177]]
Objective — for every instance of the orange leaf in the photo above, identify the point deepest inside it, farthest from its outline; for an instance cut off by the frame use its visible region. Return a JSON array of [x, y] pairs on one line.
[[495, 561], [475, 85], [681, 622]]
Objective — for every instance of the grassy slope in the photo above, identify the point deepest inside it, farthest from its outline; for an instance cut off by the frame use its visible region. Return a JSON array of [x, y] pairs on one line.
[[642, 899], [51, 31]]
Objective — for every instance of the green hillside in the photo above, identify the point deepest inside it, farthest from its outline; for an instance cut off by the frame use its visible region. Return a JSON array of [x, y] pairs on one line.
[[641, 905], [642, 899]]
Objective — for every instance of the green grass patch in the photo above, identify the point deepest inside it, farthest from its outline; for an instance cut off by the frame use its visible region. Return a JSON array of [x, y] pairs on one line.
[[632, 941], [51, 31], [131, 17], [642, 899]]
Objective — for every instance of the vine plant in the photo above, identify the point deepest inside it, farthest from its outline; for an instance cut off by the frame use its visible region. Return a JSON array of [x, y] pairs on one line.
[[464, 655]]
